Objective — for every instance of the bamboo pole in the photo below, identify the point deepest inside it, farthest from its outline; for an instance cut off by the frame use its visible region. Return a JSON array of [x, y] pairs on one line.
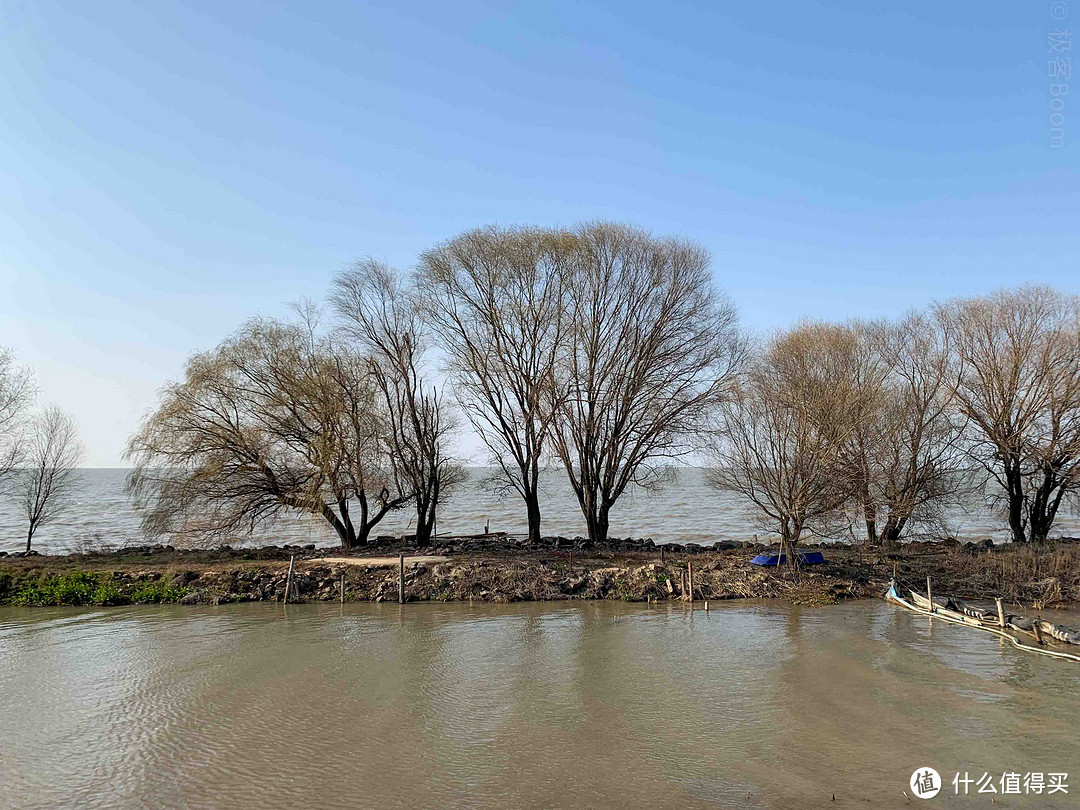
[[1001, 614], [401, 579], [288, 579], [929, 596]]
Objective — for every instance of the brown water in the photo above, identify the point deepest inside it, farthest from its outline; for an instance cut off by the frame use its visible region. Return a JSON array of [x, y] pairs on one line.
[[525, 706]]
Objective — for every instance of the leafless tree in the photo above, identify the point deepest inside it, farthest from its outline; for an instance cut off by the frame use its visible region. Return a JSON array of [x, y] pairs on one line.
[[277, 418], [16, 394], [47, 475], [907, 459], [494, 297], [781, 435], [654, 348], [1019, 388], [380, 313]]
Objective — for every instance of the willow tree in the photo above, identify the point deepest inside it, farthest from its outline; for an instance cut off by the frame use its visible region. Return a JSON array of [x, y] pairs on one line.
[[780, 437], [907, 447], [278, 418], [494, 298], [653, 348], [16, 394], [46, 477], [380, 315], [1019, 388]]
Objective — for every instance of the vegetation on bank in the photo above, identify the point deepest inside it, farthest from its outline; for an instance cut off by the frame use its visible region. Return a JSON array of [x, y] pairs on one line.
[[1031, 575], [40, 588]]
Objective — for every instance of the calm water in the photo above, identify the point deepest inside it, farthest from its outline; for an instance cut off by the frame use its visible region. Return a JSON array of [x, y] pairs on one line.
[[686, 510], [523, 706]]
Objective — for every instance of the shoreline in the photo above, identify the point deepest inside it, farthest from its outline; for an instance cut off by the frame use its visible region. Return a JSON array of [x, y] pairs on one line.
[[503, 569]]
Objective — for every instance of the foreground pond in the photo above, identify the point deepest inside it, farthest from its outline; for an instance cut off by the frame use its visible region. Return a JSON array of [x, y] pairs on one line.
[[526, 705]]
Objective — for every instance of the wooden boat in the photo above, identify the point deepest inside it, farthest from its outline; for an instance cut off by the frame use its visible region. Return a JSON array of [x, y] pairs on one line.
[[960, 611]]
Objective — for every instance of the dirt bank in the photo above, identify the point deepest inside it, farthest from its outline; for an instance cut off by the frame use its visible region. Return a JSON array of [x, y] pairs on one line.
[[500, 569]]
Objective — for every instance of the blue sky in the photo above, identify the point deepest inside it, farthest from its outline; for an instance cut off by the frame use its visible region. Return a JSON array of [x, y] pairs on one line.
[[168, 170]]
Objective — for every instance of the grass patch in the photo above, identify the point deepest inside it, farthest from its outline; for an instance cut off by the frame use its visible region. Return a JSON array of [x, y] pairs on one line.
[[84, 588]]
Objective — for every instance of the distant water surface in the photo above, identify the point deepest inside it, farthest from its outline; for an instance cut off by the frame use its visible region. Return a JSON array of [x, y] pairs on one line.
[[687, 510]]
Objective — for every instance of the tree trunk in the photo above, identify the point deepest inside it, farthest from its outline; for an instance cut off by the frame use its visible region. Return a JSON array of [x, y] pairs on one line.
[[1015, 495], [532, 508], [596, 519], [29, 538]]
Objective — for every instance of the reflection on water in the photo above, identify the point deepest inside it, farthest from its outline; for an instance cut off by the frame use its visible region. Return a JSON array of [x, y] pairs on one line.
[[591, 705], [687, 510]]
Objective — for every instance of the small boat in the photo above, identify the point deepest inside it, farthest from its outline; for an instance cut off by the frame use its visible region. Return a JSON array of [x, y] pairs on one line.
[[805, 558], [960, 611]]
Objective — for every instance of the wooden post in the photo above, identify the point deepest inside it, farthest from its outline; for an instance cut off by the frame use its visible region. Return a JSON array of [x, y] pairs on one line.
[[343, 587], [690, 582], [929, 596], [1001, 614], [706, 605], [401, 579], [288, 579]]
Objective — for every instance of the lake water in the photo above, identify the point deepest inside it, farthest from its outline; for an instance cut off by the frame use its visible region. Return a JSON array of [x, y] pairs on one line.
[[687, 510], [525, 706]]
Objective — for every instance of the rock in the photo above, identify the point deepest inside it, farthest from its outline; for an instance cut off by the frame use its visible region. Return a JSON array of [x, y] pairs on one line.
[[190, 599]]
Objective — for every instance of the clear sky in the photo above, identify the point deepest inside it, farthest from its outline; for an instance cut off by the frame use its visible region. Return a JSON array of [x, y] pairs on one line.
[[167, 170]]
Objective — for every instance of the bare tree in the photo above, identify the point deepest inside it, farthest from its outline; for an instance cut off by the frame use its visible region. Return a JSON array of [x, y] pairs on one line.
[[47, 476], [16, 393], [781, 436], [1019, 388], [905, 450], [381, 313], [277, 418], [654, 348], [494, 297]]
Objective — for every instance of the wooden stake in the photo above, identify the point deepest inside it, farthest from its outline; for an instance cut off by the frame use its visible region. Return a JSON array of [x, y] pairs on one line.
[[401, 579], [690, 582], [288, 579], [1001, 614], [706, 605]]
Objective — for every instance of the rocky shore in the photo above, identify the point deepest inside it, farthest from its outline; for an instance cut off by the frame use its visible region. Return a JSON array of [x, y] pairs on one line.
[[500, 569]]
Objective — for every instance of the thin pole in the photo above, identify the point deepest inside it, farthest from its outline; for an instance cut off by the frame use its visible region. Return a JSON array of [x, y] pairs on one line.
[[690, 581], [401, 579], [288, 579], [1001, 614], [343, 587], [929, 596]]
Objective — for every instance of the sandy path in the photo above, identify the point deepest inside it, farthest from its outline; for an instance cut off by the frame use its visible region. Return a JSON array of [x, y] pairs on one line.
[[378, 562]]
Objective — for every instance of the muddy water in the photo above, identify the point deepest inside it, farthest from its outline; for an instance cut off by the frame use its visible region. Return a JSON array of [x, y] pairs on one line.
[[528, 706]]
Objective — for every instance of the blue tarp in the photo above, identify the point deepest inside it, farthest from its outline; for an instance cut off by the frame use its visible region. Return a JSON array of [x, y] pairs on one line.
[[805, 558]]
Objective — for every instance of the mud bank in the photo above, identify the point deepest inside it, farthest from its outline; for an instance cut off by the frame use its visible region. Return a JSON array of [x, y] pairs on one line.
[[499, 569]]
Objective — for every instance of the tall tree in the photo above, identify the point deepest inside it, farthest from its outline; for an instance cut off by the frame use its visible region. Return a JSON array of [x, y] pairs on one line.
[[781, 437], [494, 297], [16, 393], [1019, 387], [380, 312], [654, 348], [277, 418], [47, 475], [906, 448]]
